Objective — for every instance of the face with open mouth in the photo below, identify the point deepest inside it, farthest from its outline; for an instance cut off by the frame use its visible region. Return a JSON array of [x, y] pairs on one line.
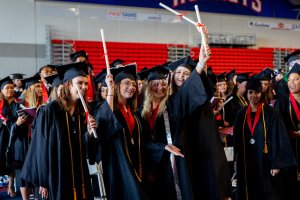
[[181, 74]]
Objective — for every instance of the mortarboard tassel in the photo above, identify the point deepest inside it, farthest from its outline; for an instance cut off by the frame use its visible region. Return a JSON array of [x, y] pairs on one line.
[[83, 192], [265, 132], [74, 194]]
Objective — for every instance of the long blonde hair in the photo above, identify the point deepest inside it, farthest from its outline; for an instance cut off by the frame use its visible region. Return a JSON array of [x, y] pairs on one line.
[[31, 98], [149, 97]]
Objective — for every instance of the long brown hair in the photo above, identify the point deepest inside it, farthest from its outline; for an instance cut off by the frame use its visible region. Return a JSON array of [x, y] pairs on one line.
[[132, 102], [64, 98]]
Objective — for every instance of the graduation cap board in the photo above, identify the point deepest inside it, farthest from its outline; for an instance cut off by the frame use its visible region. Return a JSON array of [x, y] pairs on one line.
[[54, 80], [78, 54], [292, 57], [263, 75], [242, 76], [69, 71], [5, 81], [17, 76], [230, 74], [155, 73], [116, 62], [183, 62], [27, 82], [128, 71], [221, 77], [295, 69]]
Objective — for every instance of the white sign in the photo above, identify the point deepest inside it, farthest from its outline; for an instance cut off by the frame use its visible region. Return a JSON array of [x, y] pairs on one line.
[[140, 17], [274, 26]]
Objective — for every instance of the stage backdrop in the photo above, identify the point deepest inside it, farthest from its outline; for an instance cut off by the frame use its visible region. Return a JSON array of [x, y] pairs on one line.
[[266, 8]]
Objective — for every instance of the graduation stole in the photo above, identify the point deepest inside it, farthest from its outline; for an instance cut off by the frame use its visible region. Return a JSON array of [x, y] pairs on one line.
[[295, 106], [128, 118], [244, 102], [71, 156], [296, 109], [45, 93], [153, 117], [251, 126], [1, 107]]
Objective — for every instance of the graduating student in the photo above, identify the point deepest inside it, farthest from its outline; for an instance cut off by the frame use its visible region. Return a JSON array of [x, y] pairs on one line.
[[44, 71], [17, 79], [194, 128], [262, 148], [122, 143], [280, 87], [8, 118], [56, 160], [159, 177], [56, 86], [21, 134], [288, 106], [231, 81], [238, 101], [82, 56]]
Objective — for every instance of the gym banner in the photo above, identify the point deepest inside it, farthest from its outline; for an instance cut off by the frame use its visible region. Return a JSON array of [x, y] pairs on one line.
[[265, 8], [274, 26]]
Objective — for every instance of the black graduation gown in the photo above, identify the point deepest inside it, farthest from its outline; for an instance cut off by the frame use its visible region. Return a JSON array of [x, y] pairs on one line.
[[281, 88], [49, 162], [253, 165], [158, 175], [120, 159], [291, 185], [203, 150], [10, 112]]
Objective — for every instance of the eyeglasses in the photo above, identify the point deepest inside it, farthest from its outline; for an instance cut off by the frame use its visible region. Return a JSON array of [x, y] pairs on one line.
[[129, 83]]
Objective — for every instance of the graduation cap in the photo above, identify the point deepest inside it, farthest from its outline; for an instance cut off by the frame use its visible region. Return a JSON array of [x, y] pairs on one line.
[[5, 81], [221, 77], [53, 67], [54, 80], [263, 75], [100, 78], [295, 69], [27, 82], [140, 74], [116, 62], [242, 77], [120, 73], [69, 71], [253, 84], [77, 54], [17, 76], [292, 57], [183, 62], [230, 74], [155, 73], [269, 71]]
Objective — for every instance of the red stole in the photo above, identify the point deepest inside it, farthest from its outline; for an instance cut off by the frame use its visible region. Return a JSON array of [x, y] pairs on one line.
[[295, 106], [153, 117], [128, 118], [90, 92], [1, 107], [44, 92], [256, 118]]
